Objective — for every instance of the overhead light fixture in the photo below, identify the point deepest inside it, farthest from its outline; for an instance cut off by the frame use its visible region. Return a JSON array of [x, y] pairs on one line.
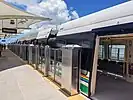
[[23, 21], [12, 22]]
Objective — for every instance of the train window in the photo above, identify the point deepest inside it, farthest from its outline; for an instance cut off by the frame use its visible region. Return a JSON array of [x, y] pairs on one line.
[[117, 52], [121, 53], [114, 53], [101, 52]]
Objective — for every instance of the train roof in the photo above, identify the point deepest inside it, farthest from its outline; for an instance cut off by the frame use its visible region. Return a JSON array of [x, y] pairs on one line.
[[116, 15]]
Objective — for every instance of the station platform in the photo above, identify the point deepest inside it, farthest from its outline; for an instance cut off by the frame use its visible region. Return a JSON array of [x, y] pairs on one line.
[[19, 81]]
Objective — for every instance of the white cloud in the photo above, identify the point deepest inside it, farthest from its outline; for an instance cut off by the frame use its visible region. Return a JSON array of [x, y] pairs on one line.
[[57, 10], [74, 15]]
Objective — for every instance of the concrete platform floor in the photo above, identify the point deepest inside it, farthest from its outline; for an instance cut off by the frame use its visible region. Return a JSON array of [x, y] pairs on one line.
[[20, 82]]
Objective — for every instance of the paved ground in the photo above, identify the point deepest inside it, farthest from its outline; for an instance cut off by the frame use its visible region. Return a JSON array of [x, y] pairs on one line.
[[109, 88], [20, 82]]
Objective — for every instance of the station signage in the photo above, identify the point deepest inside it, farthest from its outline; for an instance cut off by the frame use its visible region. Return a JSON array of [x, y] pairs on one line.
[[9, 30]]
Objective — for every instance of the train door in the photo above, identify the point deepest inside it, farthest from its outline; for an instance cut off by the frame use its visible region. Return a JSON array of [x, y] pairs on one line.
[[88, 68], [85, 70], [112, 70]]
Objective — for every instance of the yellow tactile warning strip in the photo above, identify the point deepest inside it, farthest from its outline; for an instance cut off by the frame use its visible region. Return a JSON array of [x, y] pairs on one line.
[[76, 97]]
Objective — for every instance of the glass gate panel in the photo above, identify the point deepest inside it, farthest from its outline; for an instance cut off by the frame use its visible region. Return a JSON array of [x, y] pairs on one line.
[[18, 50], [27, 52], [51, 70], [21, 52], [55, 70], [41, 58], [30, 54], [33, 55], [58, 71], [43, 62]]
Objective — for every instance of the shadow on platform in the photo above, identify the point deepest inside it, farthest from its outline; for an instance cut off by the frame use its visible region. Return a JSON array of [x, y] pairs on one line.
[[9, 60]]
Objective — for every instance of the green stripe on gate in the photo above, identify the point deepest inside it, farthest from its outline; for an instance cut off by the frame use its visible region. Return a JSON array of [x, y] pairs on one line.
[[84, 89]]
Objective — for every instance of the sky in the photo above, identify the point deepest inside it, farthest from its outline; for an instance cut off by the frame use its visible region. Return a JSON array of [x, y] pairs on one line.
[[85, 7]]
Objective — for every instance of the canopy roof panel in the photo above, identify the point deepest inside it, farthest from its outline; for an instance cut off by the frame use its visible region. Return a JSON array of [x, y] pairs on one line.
[[12, 17], [8, 11]]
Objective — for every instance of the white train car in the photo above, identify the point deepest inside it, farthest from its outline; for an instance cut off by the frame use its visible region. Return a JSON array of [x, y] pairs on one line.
[[118, 15], [111, 21], [110, 27]]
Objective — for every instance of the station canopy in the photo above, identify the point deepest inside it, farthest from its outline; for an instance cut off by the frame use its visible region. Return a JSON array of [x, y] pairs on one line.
[[14, 20]]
